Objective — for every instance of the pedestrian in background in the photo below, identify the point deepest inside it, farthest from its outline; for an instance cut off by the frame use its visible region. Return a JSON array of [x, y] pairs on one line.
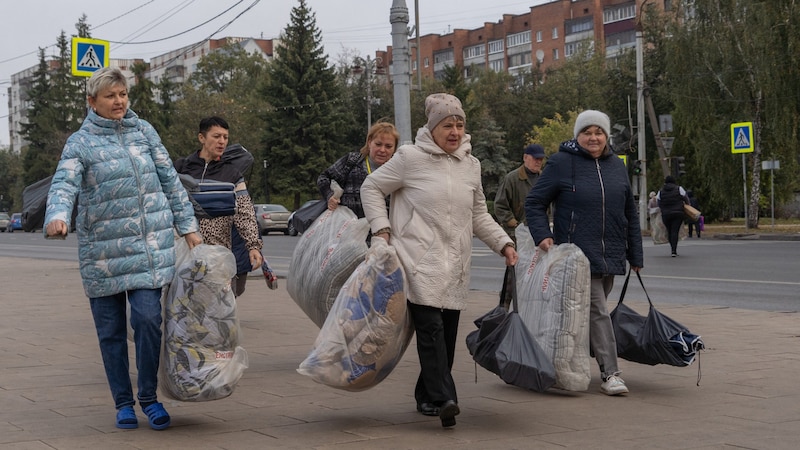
[[350, 170], [671, 199], [437, 204], [594, 208], [509, 202], [130, 203], [693, 225]]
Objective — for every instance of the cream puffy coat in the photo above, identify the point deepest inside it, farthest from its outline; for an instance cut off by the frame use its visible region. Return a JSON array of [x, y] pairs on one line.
[[437, 204]]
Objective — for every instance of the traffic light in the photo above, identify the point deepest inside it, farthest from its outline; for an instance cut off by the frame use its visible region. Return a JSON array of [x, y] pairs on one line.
[[678, 167], [637, 167]]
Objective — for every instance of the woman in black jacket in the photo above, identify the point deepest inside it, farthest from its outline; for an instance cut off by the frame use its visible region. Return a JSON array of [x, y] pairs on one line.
[[595, 210]]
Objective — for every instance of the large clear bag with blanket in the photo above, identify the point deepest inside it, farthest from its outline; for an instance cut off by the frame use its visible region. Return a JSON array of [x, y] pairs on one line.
[[554, 295], [367, 329], [324, 258], [202, 359]]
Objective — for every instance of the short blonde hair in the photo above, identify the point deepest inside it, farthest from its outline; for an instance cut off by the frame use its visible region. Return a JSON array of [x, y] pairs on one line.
[[103, 79]]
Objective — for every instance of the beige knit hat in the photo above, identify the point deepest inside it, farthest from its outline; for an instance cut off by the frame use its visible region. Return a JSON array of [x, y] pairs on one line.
[[441, 106], [591, 117]]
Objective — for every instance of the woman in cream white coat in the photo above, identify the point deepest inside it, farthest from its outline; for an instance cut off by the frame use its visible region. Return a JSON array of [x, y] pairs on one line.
[[437, 204]]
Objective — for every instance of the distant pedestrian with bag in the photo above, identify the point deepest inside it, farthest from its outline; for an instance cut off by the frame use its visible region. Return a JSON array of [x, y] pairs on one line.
[[694, 225], [437, 205], [671, 199], [350, 170], [594, 208], [130, 204]]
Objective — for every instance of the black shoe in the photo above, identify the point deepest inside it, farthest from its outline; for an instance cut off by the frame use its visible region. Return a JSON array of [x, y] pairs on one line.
[[428, 409], [448, 412], [674, 254]]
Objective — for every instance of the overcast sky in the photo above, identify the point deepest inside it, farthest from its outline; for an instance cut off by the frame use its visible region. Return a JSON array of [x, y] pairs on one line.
[[360, 25]]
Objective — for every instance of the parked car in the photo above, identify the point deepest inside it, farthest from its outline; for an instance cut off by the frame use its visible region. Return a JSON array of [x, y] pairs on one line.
[[272, 217], [15, 223], [293, 228], [4, 219]]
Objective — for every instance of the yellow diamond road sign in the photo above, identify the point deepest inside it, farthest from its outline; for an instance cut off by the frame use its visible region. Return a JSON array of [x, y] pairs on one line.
[[88, 55], [742, 137]]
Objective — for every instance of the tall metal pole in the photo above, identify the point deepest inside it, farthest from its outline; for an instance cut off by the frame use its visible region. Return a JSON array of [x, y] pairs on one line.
[[401, 73], [370, 65], [266, 185], [640, 126], [419, 50]]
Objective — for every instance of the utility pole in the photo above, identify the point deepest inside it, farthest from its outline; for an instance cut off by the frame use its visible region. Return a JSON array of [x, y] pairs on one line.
[[640, 124], [401, 70]]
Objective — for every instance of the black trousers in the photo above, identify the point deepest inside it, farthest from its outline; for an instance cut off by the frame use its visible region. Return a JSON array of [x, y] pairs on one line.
[[673, 224], [437, 330]]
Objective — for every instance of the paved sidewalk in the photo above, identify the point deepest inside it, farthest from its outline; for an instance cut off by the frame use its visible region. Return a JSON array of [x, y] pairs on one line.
[[53, 392]]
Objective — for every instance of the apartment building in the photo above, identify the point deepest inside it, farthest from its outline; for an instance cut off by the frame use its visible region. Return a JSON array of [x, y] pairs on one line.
[[178, 65], [542, 37]]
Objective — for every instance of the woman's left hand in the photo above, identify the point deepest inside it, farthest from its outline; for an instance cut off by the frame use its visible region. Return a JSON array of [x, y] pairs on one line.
[[511, 255], [636, 269], [256, 258]]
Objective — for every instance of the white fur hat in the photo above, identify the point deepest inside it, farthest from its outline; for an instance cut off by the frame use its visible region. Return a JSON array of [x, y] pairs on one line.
[[591, 117]]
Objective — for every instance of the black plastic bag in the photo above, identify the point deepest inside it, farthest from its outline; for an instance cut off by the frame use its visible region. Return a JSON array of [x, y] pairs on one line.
[[503, 345], [654, 339], [34, 205], [304, 217]]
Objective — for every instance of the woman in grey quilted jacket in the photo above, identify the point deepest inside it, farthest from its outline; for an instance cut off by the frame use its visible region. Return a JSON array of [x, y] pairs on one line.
[[130, 203]]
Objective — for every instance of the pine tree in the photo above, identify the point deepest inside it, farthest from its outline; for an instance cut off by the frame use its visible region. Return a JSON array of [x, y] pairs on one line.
[[140, 96], [38, 130], [303, 125]]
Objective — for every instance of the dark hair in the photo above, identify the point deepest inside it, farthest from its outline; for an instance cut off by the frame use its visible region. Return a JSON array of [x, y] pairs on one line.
[[669, 179], [208, 122]]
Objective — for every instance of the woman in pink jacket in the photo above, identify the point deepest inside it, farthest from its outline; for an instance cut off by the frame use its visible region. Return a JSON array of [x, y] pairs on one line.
[[437, 204]]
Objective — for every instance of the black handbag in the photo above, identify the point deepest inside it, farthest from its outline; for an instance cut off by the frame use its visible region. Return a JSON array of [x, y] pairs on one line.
[[654, 339], [303, 218], [503, 345]]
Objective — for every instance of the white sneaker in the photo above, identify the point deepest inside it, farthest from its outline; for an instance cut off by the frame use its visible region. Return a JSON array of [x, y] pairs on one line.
[[613, 386]]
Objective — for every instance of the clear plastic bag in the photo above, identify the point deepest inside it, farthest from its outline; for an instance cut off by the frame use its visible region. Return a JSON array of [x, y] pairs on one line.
[[201, 359], [367, 330], [554, 290]]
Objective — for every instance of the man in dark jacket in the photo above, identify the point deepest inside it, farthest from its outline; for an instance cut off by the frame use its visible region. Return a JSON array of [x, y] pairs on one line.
[[594, 208], [509, 202], [671, 198]]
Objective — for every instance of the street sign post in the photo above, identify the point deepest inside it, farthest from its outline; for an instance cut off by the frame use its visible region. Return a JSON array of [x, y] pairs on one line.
[[742, 142], [88, 55]]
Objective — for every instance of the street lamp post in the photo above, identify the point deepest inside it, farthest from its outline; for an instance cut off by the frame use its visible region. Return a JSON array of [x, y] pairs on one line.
[[266, 185], [371, 67]]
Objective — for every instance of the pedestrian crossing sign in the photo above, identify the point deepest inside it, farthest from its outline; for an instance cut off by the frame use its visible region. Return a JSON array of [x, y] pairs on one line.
[[88, 55], [742, 137]]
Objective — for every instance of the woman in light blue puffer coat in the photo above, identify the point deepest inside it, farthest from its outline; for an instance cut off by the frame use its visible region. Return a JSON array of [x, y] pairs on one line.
[[129, 202]]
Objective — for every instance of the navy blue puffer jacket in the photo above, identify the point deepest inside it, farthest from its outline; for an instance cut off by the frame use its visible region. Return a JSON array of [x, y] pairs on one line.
[[594, 208]]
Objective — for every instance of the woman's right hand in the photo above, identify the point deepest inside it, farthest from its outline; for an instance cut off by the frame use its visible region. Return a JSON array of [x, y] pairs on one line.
[[56, 229], [546, 244], [333, 203]]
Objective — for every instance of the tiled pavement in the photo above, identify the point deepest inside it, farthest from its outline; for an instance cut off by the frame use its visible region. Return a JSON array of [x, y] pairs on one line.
[[53, 393]]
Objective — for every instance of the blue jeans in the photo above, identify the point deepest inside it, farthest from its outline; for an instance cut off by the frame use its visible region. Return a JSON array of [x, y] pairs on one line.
[[110, 322]]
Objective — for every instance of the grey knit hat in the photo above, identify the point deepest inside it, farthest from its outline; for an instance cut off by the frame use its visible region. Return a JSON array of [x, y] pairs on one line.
[[441, 106], [591, 117]]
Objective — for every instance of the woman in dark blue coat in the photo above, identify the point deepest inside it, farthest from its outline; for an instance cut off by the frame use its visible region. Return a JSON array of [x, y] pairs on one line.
[[594, 208]]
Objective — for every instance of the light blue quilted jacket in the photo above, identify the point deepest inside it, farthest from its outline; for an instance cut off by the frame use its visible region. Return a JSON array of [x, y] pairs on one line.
[[129, 199]]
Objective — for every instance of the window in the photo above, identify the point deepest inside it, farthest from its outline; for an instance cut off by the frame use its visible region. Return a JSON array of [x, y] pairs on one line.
[[443, 57], [520, 59], [496, 66], [519, 38], [427, 62], [539, 36], [555, 54], [495, 46], [579, 26], [620, 12], [555, 32], [474, 52]]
